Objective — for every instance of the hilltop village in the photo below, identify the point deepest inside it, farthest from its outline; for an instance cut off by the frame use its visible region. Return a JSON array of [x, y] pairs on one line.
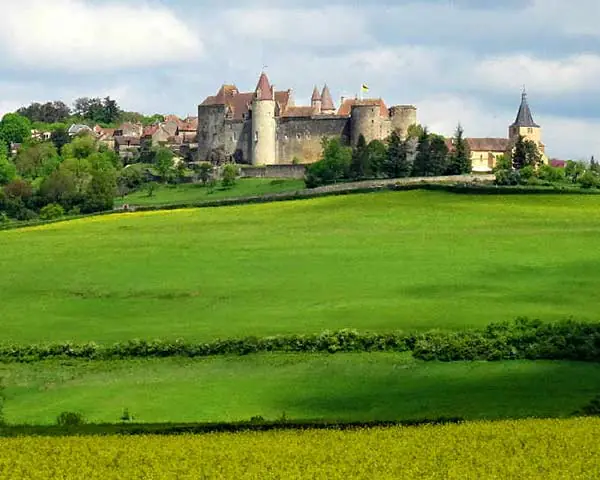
[[266, 126]]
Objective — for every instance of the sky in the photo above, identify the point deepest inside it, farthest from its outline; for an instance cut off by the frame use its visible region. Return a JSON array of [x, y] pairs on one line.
[[458, 61]]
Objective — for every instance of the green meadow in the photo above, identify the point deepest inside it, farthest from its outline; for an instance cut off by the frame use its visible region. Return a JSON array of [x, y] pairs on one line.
[[379, 262], [344, 387], [191, 193]]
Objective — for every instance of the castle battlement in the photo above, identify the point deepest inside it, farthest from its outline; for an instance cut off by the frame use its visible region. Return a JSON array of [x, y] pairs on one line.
[[266, 127]]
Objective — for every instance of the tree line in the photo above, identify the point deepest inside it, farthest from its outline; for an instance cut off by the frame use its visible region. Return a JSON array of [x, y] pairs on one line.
[[420, 154]]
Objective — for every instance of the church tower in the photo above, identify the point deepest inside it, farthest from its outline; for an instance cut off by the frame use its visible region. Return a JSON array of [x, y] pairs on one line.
[[264, 125], [525, 126]]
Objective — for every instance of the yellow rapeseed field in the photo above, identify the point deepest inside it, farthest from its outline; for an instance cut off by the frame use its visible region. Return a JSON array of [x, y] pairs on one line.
[[528, 449]]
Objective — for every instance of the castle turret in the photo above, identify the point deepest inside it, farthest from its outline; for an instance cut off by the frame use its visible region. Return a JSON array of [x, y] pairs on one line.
[[315, 101], [366, 121], [327, 105], [264, 126], [402, 117]]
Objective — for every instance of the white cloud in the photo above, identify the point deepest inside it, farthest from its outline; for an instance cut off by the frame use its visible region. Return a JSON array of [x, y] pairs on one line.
[[79, 36], [327, 26], [573, 74]]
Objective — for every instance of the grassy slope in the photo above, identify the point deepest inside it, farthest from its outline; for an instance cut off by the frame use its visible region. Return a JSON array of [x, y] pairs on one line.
[[342, 387], [196, 193], [404, 260]]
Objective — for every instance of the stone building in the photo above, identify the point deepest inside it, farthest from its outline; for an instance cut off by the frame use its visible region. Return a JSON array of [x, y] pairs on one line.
[[265, 127], [486, 151]]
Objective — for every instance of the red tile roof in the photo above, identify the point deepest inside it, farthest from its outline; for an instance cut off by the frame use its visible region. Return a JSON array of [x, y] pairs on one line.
[[298, 112], [316, 96], [346, 106], [488, 144], [240, 103], [264, 91], [558, 163], [149, 131], [326, 100]]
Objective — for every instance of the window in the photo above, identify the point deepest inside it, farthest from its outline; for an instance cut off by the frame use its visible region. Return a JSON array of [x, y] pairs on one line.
[[234, 137], [256, 136], [530, 130], [298, 136]]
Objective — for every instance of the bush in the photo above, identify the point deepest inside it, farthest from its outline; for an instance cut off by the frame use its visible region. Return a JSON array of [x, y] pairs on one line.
[[551, 174], [522, 339], [70, 419], [592, 409], [230, 174], [507, 177], [52, 211], [588, 180]]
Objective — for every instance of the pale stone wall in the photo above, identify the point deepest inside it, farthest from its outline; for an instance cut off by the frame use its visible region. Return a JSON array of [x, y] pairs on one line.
[[484, 161], [402, 117], [274, 171], [367, 121], [301, 138], [264, 133]]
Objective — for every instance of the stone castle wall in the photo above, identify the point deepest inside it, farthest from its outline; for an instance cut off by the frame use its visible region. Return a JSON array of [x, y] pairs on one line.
[[301, 138]]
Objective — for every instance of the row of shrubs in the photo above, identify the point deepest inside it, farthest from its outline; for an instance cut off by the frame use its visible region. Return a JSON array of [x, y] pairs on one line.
[[521, 339]]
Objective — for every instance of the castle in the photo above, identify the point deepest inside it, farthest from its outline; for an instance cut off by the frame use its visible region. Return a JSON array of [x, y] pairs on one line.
[[265, 127]]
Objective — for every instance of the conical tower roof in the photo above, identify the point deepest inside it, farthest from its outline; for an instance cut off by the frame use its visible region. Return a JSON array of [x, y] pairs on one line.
[[524, 117], [264, 91], [316, 96], [326, 99]]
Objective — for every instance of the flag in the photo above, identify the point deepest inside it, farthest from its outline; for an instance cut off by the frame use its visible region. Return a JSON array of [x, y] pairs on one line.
[[364, 87]]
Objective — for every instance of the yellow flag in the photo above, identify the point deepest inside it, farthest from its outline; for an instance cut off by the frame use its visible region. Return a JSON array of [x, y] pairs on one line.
[[365, 88]]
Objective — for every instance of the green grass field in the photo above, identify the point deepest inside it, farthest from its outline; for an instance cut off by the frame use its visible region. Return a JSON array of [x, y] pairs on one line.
[[339, 387], [379, 262], [188, 193]]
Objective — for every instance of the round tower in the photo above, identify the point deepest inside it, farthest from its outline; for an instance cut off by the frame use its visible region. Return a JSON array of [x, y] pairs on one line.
[[366, 121], [402, 117], [264, 126]]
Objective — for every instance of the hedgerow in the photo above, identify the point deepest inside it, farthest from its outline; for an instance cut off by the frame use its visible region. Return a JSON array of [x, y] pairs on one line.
[[521, 339]]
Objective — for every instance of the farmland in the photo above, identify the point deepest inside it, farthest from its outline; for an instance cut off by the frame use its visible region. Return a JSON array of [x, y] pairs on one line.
[[189, 193], [533, 449], [342, 387], [379, 262]]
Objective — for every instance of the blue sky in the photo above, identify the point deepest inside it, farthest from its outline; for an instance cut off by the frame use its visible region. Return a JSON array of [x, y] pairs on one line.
[[456, 60]]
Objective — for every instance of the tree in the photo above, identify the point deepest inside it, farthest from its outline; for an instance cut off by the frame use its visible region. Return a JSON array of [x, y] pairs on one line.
[[594, 165], [151, 187], [164, 163], [50, 112], [415, 131], [230, 173], [59, 187], [98, 110], [60, 137], [396, 164], [37, 159], [377, 151], [14, 128], [460, 158], [81, 147], [333, 166], [101, 191], [421, 164], [81, 170], [533, 157], [51, 211], [519, 155], [574, 170], [8, 170], [359, 166]]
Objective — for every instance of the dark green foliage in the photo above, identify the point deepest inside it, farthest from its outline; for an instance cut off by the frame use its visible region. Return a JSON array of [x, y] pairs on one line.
[[533, 157], [522, 339], [551, 174], [460, 158], [592, 409], [8, 170], [101, 191], [396, 164], [60, 137], [70, 419], [519, 156], [52, 211], [204, 170], [98, 110], [50, 112], [14, 128], [421, 164], [333, 166], [377, 157], [432, 156], [360, 165], [230, 174], [589, 179]]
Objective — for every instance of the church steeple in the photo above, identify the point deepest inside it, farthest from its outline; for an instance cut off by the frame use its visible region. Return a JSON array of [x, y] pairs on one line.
[[524, 116]]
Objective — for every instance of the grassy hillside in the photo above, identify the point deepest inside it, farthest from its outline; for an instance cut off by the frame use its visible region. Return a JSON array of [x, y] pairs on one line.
[[188, 193], [344, 387], [394, 260]]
